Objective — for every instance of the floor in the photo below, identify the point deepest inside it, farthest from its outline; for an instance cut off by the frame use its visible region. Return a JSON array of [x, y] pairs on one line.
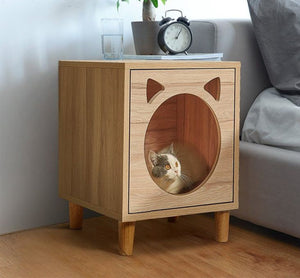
[[162, 249]]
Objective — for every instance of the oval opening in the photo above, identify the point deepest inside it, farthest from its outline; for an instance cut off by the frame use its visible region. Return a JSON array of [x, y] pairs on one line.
[[182, 144]]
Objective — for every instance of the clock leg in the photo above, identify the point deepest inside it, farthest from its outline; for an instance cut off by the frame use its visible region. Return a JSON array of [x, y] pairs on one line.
[[222, 226], [75, 216], [126, 238]]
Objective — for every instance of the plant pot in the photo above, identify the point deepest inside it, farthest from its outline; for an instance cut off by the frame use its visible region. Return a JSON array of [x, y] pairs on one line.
[[145, 37]]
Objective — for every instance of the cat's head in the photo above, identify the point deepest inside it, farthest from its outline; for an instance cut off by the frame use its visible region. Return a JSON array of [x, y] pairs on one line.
[[165, 164]]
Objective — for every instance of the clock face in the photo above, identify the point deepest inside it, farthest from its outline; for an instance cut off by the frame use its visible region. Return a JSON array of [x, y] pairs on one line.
[[177, 37]]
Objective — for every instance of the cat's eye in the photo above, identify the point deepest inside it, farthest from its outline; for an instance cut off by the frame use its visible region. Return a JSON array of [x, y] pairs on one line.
[[168, 167], [176, 164]]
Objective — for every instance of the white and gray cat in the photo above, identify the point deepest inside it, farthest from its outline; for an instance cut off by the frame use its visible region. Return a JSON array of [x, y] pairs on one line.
[[167, 170]]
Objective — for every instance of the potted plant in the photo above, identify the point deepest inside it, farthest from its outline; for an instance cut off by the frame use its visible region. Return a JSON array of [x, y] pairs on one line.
[[149, 7], [145, 32]]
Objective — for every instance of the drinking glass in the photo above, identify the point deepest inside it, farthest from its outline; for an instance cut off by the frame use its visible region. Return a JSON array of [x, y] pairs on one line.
[[112, 38]]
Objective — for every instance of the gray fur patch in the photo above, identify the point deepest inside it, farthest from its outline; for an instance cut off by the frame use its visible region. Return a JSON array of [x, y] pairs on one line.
[[162, 160], [159, 170]]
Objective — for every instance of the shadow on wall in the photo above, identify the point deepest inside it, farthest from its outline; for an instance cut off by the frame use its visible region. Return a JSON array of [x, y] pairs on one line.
[[29, 53]]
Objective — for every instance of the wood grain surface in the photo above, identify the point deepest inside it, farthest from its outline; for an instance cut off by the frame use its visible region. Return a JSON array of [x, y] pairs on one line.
[[197, 126], [185, 249], [126, 237], [222, 226], [103, 118], [91, 129]]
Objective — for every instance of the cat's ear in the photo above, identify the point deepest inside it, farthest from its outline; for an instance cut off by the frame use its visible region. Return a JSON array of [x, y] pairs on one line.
[[171, 149], [153, 157]]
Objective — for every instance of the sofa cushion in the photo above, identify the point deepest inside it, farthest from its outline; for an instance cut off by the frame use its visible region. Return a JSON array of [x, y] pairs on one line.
[[273, 120], [277, 30]]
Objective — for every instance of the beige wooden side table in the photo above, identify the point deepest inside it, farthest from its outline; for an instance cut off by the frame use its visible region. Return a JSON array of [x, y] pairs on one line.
[[112, 113]]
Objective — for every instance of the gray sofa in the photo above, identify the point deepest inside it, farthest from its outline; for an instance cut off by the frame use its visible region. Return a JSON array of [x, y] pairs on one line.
[[269, 176]]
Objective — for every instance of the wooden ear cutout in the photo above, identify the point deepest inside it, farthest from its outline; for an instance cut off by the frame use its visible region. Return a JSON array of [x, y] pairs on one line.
[[214, 88], [153, 87]]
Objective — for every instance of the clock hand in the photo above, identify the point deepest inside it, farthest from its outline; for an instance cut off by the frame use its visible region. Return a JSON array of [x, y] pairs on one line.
[[178, 34]]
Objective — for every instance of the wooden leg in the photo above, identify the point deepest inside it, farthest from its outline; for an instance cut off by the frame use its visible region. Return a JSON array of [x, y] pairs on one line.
[[173, 219], [126, 237], [75, 216], [222, 226]]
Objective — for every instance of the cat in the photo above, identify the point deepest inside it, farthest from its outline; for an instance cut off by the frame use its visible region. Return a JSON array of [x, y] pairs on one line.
[[169, 173]]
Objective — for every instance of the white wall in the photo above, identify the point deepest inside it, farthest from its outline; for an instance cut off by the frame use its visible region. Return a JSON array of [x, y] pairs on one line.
[[34, 36]]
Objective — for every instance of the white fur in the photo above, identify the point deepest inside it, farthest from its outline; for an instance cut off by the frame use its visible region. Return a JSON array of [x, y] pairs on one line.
[[175, 171], [176, 186]]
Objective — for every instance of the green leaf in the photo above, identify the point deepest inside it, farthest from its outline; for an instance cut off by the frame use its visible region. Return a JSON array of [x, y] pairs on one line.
[[164, 1], [155, 3]]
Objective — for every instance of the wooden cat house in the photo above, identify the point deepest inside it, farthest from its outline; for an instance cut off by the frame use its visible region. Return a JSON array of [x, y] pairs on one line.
[[111, 114]]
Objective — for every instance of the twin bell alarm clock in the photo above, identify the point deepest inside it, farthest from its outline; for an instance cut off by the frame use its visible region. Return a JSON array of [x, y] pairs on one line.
[[174, 36]]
